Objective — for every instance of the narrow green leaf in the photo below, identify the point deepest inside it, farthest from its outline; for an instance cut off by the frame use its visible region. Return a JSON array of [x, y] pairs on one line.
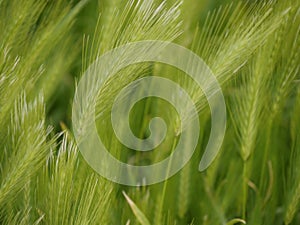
[[235, 221], [137, 212]]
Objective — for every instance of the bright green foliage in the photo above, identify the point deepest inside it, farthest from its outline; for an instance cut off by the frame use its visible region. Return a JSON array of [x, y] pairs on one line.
[[253, 48]]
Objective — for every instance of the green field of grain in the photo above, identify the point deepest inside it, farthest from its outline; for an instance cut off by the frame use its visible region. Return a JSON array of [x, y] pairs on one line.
[[251, 175]]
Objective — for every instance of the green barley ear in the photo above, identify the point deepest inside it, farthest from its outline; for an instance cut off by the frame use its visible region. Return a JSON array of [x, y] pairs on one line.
[[249, 107], [32, 35], [20, 218], [248, 112], [26, 148], [64, 180], [44, 178], [232, 34], [288, 67], [285, 69], [247, 115], [136, 21]]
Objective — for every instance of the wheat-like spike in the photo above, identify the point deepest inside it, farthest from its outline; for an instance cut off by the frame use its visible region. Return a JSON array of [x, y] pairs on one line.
[[31, 35], [249, 111], [66, 182], [289, 68], [28, 131], [139, 20]]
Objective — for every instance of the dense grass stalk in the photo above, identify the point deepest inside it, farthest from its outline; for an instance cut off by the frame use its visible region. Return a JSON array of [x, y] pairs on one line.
[[159, 211]]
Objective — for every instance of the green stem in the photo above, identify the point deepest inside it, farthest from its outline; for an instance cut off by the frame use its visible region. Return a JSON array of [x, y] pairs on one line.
[[266, 153], [162, 199], [245, 189]]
